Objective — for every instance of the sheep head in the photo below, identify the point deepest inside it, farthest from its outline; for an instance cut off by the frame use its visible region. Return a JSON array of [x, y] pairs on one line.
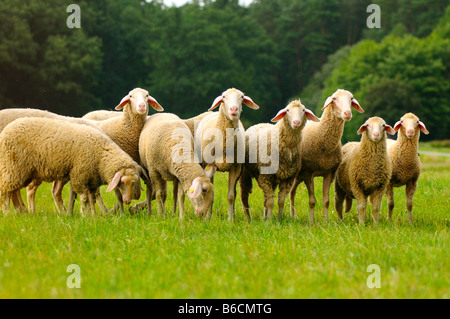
[[127, 181], [375, 128], [139, 99], [410, 126], [200, 194], [295, 114], [342, 101], [232, 100]]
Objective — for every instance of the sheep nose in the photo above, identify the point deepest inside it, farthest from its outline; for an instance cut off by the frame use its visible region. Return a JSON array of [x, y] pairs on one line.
[[410, 132], [142, 105], [376, 134], [233, 109], [347, 114], [296, 122]]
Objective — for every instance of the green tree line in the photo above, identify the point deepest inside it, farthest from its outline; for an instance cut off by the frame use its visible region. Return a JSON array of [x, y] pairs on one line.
[[185, 56]]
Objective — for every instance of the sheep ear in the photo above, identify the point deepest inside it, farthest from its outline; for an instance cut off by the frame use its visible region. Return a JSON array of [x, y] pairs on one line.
[[327, 102], [389, 129], [423, 128], [397, 126], [249, 102], [356, 105], [216, 103], [122, 103], [310, 115], [279, 115], [195, 189], [362, 129], [210, 170], [115, 181], [154, 104]]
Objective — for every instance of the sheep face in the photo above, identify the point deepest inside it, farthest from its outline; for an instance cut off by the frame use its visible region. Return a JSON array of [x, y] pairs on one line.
[[201, 195], [138, 99], [375, 128], [295, 114], [232, 100], [410, 125], [128, 183], [342, 101]]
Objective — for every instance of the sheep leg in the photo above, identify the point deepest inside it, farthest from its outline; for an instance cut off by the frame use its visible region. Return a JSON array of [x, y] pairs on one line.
[[209, 213], [119, 204], [326, 194], [4, 200], [235, 173], [57, 189], [91, 197], [297, 182], [101, 203], [148, 196], [175, 196], [362, 204], [285, 187], [181, 201], [339, 196], [375, 199], [266, 185], [410, 190], [245, 182], [348, 204], [16, 202], [72, 197], [84, 201], [31, 194], [21, 203], [390, 199], [309, 182]]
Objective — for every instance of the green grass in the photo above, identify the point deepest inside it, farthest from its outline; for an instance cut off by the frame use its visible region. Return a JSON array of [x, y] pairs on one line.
[[136, 256]]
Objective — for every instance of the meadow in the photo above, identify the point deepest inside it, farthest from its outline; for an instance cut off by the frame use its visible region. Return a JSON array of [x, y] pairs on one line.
[[140, 256]]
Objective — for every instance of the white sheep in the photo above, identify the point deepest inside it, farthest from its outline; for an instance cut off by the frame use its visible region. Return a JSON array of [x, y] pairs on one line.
[[365, 170], [322, 148], [48, 150], [405, 162], [212, 135], [101, 115], [123, 130], [166, 149], [287, 136]]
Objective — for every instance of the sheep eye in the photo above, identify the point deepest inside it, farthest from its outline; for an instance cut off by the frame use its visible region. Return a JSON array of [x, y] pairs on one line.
[[384, 125], [204, 190]]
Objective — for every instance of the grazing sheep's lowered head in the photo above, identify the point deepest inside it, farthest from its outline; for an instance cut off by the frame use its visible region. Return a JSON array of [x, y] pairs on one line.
[[295, 114], [128, 182], [410, 125], [138, 99], [232, 100], [374, 128], [200, 194], [341, 101]]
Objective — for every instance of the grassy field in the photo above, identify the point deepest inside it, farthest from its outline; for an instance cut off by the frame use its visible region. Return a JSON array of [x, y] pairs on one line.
[[136, 256]]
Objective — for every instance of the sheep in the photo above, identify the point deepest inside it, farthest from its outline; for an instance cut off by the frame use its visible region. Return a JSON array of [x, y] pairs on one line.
[[405, 162], [225, 157], [365, 170], [48, 150], [290, 123], [159, 148], [321, 151], [101, 115], [123, 130]]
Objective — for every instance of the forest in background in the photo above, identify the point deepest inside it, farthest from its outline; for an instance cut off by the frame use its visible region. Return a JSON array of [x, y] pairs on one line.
[[273, 50]]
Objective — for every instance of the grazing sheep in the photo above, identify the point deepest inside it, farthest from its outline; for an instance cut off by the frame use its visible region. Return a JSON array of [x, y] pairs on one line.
[[291, 121], [101, 115], [47, 150], [123, 130], [169, 158], [224, 126], [365, 170], [405, 162], [321, 151]]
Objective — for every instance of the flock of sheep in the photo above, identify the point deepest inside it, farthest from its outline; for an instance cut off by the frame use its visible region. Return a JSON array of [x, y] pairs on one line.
[[119, 148]]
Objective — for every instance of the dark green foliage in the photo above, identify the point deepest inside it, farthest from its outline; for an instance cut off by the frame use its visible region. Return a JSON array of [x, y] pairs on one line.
[[186, 56]]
